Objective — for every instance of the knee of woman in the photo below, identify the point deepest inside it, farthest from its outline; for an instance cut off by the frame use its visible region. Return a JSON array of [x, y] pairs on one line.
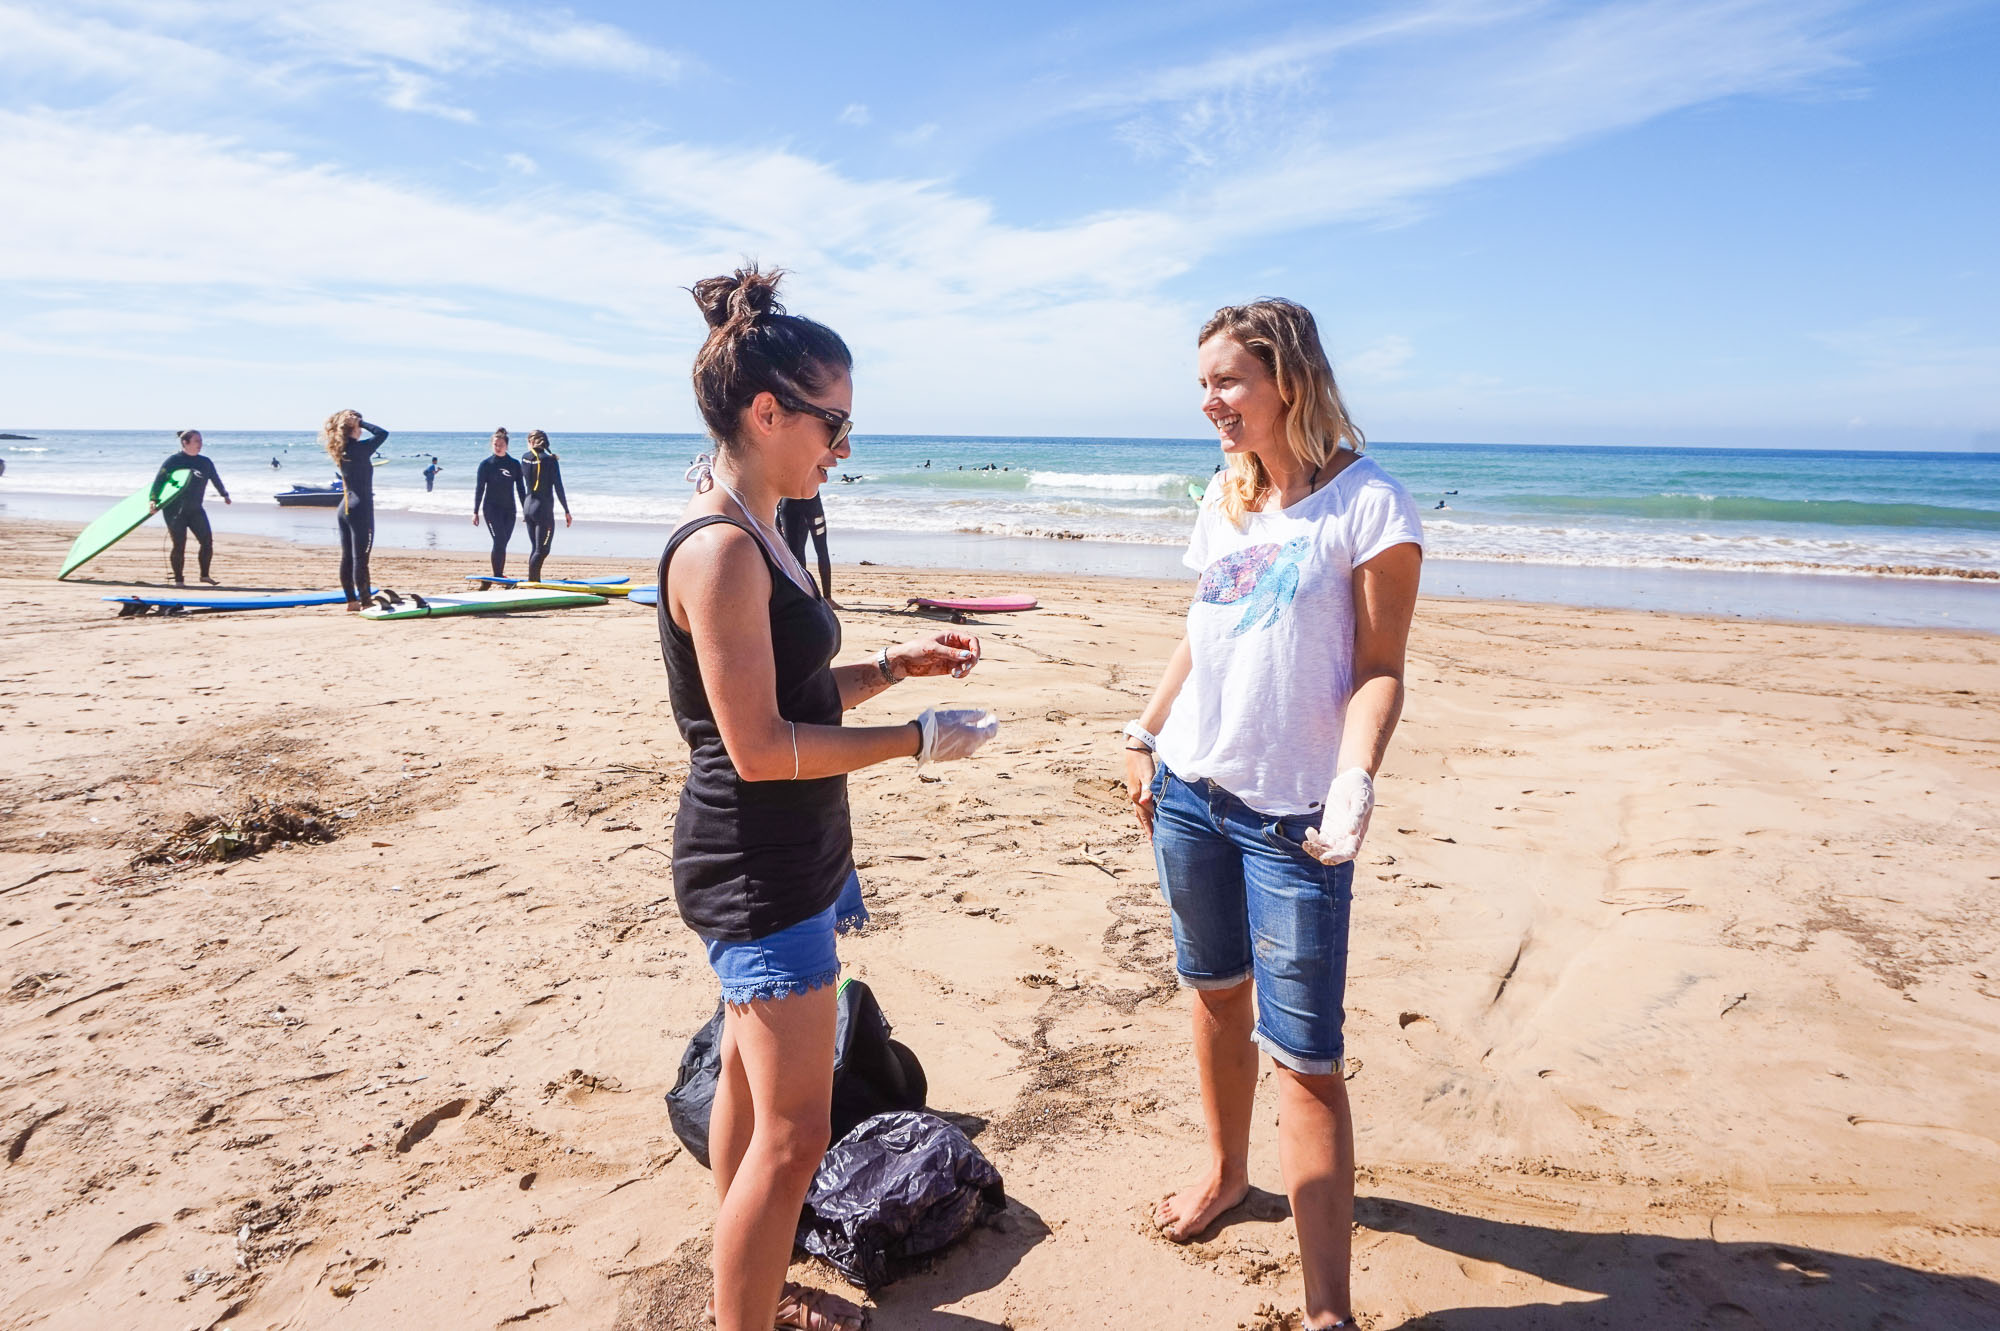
[[799, 1146]]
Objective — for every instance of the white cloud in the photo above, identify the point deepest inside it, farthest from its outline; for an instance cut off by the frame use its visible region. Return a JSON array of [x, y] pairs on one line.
[[522, 163], [1386, 362], [855, 113]]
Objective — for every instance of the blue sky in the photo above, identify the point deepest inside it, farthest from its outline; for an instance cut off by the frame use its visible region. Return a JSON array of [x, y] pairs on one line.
[[1662, 221]]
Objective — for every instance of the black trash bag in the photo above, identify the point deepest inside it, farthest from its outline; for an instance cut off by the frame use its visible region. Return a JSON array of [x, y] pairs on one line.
[[872, 1074], [898, 1187]]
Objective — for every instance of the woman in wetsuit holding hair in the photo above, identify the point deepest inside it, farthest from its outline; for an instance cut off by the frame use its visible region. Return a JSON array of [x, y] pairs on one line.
[[763, 846], [355, 459]]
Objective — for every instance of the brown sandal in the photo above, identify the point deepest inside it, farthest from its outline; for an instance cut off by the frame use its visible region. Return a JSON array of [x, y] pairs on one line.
[[803, 1308]]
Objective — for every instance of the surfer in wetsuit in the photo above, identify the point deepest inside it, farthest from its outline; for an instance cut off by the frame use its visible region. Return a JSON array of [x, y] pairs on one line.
[[799, 519], [541, 474], [184, 511], [354, 457], [494, 488]]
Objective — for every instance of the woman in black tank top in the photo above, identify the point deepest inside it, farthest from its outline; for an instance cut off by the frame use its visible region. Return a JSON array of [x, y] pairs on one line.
[[763, 849]]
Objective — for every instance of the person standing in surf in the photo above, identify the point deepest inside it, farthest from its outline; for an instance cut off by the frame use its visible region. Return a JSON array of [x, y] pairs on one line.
[[184, 512], [495, 486], [1272, 718], [354, 458], [431, 475], [802, 520], [541, 476], [763, 847]]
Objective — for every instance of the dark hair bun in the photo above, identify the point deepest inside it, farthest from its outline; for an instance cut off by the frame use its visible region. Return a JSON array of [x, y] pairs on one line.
[[734, 303]]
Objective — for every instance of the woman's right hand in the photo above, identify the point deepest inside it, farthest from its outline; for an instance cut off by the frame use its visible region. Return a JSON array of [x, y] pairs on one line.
[[475, 519], [1139, 769], [948, 733]]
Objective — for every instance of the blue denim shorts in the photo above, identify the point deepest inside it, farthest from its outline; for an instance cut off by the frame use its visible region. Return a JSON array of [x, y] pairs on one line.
[[1249, 903], [790, 961]]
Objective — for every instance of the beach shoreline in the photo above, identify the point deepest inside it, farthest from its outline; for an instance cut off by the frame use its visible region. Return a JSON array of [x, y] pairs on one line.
[[1959, 602], [1671, 988]]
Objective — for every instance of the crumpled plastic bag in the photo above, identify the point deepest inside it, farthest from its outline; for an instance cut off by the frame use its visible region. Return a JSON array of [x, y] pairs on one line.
[[898, 1187]]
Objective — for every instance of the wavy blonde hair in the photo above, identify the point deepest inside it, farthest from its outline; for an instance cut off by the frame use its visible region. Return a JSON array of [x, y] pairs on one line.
[[333, 434], [1282, 334]]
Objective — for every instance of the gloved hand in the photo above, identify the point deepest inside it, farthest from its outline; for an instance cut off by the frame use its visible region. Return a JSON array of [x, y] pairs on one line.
[[1350, 800], [954, 732]]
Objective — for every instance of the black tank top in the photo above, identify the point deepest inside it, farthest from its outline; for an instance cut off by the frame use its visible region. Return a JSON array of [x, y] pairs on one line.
[[754, 857]]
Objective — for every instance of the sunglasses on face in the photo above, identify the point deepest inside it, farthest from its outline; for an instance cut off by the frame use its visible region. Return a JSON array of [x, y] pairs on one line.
[[842, 426]]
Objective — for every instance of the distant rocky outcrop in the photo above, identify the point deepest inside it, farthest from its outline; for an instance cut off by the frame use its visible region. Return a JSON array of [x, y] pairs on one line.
[[16, 436]]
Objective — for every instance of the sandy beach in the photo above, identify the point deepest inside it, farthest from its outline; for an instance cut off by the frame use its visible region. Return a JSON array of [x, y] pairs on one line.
[[1674, 1000]]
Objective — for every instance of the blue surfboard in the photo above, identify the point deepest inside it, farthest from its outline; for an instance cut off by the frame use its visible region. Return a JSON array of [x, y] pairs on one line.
[[547, 582], [136, 604], [644, 596]]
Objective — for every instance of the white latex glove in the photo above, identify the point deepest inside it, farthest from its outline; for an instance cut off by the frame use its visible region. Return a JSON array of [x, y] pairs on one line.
[[1344, 821], [954, 732]]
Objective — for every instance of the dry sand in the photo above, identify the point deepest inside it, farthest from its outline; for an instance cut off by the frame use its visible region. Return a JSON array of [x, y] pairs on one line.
[[1675, 995]]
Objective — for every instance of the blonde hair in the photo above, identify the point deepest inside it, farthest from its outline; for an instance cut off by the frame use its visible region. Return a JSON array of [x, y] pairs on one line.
[[333, 434], [1282, 335]]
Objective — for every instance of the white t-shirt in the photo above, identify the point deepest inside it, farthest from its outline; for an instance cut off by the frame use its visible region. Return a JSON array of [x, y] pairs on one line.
[[1271, 632]]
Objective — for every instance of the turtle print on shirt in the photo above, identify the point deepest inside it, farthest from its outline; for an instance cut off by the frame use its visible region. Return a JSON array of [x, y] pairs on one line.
[[1264, 577]]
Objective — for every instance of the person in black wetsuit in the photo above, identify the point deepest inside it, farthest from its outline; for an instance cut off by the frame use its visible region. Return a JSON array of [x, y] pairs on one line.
[[800, 520], [541, 473], [354, 457], [494, 489], [184, 511]]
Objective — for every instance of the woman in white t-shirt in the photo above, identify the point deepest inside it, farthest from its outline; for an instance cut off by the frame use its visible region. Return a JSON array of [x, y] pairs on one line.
[[1252, 767]]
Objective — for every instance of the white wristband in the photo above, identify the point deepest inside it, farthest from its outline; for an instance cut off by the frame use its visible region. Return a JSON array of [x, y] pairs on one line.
[[1134, 731]]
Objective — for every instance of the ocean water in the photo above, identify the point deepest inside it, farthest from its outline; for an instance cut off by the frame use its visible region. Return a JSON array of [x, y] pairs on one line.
[[1880, 515]]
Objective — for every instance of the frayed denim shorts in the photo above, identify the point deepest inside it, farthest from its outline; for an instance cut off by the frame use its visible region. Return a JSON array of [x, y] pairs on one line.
[[1249, 904], [791, 961]]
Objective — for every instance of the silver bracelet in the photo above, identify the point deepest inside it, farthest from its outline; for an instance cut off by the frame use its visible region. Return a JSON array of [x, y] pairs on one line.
[[795, 748], [882, 664]]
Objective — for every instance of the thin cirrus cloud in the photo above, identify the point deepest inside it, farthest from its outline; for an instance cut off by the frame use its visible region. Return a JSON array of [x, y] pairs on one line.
[[956, 302]]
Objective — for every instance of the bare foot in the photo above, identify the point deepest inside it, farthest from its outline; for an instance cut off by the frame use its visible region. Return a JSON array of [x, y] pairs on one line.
[[1184, 1214]]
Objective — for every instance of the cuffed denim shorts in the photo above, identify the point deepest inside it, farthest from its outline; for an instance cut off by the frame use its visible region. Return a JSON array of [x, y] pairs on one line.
[[1249, 903], [791, 961]]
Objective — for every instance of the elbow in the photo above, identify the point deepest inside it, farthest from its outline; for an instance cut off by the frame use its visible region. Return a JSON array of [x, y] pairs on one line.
[[766, 759]]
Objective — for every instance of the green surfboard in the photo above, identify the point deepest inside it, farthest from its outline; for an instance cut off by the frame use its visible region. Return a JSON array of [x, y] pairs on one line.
[[480, 603], [1197, 492], [116, 524]]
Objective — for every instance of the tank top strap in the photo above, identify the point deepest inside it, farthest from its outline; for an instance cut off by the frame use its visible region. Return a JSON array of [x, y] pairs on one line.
[[777, 570]]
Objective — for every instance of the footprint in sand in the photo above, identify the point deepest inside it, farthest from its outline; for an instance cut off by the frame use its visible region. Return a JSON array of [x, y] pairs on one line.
[[427, 1124], [1958, 1137], [1420, 1031]]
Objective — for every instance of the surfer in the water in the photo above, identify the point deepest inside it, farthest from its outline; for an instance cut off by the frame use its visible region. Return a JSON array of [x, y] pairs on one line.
[[354, 457], [802, 520], [431, 475], [494, 488], [541, 475], [763, 847], [1252, 767], [184, 512]]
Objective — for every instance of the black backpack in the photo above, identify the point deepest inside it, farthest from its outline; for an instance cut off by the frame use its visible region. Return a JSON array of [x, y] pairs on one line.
[[872, 1074]]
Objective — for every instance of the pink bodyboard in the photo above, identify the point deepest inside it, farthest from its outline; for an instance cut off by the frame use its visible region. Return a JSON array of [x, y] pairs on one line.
[[978, 604]]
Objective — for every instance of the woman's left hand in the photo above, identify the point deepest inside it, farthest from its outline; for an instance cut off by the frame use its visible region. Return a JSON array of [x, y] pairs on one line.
[[948, 653], [1344, 818]]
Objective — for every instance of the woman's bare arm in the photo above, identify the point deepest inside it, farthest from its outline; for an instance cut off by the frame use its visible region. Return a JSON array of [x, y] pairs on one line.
[[717, 572], [1385, 601], [1139, 764]]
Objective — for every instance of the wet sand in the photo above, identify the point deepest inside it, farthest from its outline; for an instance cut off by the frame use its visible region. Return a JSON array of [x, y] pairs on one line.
[[1674, 997]]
